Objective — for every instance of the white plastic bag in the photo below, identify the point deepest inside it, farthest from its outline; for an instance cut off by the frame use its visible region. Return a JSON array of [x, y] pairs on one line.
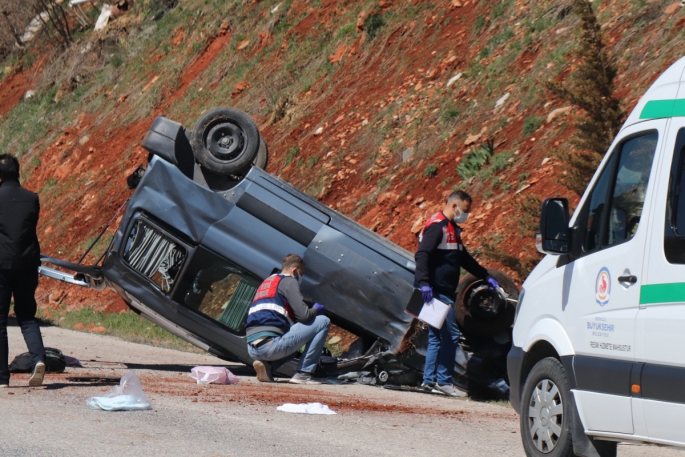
[[127, 396], [213, 375], [306, 408]]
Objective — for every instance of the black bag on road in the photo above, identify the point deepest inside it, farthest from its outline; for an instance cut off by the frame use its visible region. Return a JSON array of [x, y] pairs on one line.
[[54, 362]]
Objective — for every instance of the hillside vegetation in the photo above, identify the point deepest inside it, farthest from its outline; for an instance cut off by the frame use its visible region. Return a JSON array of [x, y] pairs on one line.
[[377, 108]]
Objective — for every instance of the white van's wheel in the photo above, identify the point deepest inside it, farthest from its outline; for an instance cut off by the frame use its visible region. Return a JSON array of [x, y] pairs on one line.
[[546, 411]]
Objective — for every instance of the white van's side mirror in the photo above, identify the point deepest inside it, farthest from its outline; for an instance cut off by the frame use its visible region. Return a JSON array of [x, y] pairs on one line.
[[554, 236]]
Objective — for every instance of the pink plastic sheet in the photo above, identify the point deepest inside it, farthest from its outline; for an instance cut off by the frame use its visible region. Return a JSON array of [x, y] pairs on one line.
[[213, 375]]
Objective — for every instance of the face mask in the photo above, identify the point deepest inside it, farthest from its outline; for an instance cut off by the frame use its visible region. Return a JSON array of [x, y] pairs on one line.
[[297, 276], [461, 218]]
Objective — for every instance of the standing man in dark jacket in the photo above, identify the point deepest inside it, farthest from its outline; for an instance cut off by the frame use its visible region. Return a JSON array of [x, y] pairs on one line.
[[19, 261], [280, 322], [439, 260]]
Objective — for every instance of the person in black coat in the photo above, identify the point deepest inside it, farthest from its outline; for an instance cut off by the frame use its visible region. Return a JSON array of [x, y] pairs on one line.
[[19, 261]]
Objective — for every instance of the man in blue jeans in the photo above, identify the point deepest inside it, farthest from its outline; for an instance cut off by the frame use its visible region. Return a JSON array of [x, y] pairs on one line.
[[439, 259], [279, 323]]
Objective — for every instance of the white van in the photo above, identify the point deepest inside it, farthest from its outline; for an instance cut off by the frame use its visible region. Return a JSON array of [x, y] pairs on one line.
[[599, 338]]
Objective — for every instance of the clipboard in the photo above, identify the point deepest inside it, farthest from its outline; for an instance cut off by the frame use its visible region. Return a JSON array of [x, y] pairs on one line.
[[433, 313]]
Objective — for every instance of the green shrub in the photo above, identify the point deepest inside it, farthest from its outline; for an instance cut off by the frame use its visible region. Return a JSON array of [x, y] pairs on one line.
[[531, 124], [450, 114], [345, 30], [291, 154], [500, 161], [472, 163], [498, 9], [313, 160], [479, 24], [116, 60], [373, 25], [430, 171]]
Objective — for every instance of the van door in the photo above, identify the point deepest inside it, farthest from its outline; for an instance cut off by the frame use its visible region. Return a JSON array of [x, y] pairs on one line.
[[601, 287], [660, 339]]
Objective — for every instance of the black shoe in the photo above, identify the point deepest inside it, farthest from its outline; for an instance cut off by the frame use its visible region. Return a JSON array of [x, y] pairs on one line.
[[38, 374]]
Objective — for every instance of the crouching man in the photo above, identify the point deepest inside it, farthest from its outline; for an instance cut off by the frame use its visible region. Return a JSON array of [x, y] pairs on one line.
[[279, 323]]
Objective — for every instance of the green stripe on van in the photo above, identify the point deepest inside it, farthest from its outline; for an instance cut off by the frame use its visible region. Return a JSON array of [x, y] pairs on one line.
[[656, 109], [662, 293]]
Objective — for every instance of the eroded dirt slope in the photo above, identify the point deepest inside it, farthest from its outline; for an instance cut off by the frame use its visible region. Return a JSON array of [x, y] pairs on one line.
[[379, 109]]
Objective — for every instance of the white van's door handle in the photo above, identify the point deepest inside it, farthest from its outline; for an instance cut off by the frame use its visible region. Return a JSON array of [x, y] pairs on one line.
[[628, 280]]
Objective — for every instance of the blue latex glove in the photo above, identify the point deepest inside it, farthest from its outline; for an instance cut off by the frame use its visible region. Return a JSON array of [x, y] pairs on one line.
[[427, 293], [493, 284], [319, 308]]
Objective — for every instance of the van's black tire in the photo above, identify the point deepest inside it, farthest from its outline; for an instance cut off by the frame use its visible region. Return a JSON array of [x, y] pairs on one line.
[[482, 324], [225, 141], [550, 370], [262, 158]]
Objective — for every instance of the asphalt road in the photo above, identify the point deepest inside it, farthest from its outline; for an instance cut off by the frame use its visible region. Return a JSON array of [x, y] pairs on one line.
[[238, 420]]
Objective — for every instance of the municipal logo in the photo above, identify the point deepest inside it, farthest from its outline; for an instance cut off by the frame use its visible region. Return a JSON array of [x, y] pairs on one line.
[[603, 287]]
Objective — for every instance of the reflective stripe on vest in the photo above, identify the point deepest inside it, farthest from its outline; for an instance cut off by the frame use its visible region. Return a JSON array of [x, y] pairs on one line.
[[271, 307], [451, 238]]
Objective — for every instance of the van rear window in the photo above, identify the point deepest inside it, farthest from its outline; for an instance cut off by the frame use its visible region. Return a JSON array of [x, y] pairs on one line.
[[154, 255]]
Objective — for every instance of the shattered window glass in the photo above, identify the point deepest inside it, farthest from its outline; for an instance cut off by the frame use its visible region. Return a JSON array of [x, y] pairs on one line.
[[218, 289], [154, 255]]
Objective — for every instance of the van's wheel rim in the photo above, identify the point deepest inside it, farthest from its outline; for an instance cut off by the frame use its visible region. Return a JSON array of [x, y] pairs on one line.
[[545, 416], [225, 141]]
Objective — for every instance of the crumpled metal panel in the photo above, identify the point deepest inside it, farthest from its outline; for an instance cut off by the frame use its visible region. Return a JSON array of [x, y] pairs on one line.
[[362, 290], [171, 197]]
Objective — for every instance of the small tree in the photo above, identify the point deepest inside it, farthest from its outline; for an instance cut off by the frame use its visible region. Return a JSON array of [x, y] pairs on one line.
[[54, 17], [590, 87]]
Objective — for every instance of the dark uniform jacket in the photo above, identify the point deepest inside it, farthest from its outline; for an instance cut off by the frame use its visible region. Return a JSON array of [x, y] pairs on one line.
[[441, 255], [19, 209]]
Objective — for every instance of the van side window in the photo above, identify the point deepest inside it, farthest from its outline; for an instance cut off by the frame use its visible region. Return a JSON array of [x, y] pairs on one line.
[[218, 289], [674, 233], [615, 203]]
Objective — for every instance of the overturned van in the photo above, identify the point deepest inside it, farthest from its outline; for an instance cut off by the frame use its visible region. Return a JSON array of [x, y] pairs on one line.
[[206, 225]]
